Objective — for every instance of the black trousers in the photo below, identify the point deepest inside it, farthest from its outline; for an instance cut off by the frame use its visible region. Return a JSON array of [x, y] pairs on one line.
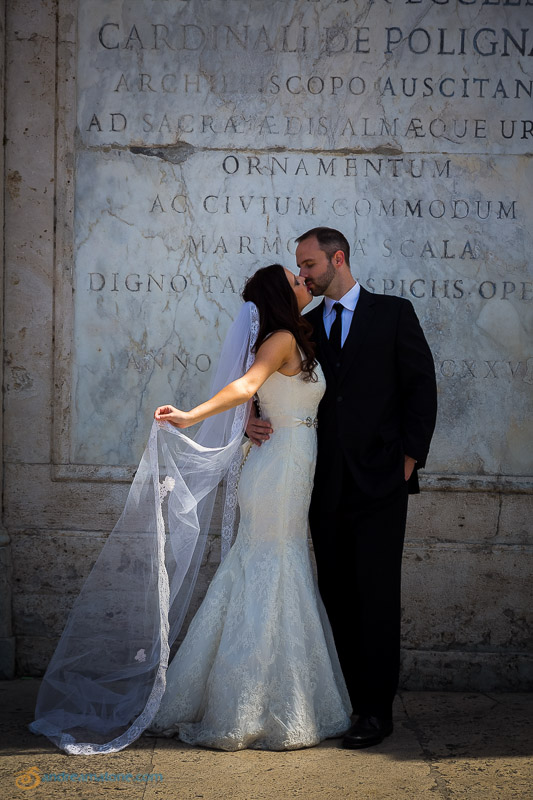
[[358, 547]]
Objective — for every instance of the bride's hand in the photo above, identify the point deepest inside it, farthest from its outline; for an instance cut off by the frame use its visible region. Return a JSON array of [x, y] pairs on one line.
[[180, 419]]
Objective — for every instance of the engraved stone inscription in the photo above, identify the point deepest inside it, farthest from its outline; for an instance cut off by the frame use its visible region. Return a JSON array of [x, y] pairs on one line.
[[211, 134], [417, 77]]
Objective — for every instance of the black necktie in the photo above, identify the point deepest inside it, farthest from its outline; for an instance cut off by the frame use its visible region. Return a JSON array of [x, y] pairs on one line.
[[335, 334]]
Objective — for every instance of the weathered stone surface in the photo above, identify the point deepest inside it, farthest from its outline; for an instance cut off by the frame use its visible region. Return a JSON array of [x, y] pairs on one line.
[[162, 254], [36, 501], [197, 162], [464, 670], [471, 726], [320, 75], [49, 573], [29, 246], [515, 518], [127, 244], [7, 641], [470, 517], [450, 517], [208, 195], [443, 584]]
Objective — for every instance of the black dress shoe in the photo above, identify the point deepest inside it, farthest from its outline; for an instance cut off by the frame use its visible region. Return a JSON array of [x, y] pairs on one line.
[[366, 732]]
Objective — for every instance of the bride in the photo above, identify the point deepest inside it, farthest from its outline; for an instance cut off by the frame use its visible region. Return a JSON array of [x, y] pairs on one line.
[[257, 667]]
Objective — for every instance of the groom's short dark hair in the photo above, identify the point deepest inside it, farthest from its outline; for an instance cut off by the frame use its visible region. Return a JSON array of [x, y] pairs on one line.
[[330, 240]]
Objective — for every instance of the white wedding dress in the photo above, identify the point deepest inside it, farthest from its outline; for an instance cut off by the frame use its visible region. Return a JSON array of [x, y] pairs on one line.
[[258, 666]]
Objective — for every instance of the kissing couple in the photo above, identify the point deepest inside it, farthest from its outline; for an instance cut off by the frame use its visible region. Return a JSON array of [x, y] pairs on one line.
[[346, 397]]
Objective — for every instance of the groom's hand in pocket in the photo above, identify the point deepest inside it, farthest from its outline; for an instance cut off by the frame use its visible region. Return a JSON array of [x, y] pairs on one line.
[[258, 430], [409, 467]]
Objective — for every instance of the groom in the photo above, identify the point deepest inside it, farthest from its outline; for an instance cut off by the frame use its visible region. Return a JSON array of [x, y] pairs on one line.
[[375, 424]]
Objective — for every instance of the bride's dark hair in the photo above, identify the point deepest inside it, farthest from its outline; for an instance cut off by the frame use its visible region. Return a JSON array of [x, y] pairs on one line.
[[276, 302]]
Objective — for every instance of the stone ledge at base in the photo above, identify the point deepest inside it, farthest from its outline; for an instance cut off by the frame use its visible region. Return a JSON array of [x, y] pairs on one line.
[[459, 670]]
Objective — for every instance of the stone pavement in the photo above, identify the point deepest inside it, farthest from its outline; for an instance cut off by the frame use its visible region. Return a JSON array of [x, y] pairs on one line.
[[446, 746]]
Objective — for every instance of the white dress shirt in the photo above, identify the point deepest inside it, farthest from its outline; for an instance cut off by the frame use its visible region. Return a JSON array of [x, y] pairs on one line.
[[349, 302]]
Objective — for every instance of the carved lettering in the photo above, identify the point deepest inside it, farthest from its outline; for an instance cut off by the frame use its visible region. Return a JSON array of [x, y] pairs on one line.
[[483, 41], [348, 167], [145, 361], [468, 369], [346, 129]]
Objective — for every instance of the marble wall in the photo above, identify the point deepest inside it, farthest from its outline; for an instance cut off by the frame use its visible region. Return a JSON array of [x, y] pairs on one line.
[[157, 154]]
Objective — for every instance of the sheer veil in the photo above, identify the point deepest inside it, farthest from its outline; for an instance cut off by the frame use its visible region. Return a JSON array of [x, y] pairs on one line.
[[106, 678]]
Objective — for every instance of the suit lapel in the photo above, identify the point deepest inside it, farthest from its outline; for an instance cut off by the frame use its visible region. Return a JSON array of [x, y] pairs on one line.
[[361, 321]]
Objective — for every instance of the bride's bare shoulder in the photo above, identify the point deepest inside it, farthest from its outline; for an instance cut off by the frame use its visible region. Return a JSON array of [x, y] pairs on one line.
[[279, 339]]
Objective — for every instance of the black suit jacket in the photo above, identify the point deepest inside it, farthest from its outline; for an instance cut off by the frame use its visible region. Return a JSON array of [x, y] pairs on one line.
[[380, 401]]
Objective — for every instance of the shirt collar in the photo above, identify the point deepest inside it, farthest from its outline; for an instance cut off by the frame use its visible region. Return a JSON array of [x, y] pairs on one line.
[[349, 300]]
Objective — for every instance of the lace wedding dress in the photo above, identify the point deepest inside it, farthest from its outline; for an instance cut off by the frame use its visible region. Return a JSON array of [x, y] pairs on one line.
[[258, 666]]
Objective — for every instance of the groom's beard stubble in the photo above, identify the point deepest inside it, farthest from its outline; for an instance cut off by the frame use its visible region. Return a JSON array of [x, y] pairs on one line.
[[319, 285]]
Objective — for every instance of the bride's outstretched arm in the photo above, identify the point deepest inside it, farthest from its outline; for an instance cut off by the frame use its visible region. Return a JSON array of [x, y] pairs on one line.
[[273, 354]]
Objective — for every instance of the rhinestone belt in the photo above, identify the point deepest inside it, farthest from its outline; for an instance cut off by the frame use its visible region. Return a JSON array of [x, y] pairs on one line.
[[293, 422]]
